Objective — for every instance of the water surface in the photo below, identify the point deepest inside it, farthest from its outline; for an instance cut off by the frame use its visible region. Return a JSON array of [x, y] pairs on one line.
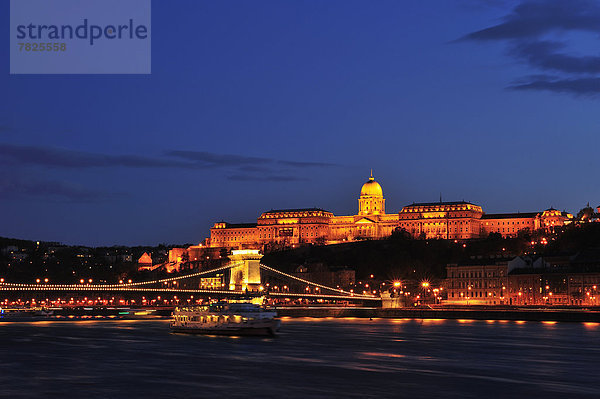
[[311, 357]]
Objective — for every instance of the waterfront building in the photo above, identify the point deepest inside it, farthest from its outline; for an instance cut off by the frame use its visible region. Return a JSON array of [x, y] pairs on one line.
[[556, 280], [9, 250], [145, 261], [477, 282], [176, 255], [342, 277]]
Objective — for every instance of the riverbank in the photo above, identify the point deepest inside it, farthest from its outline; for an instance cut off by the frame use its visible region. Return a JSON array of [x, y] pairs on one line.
[[516, 314], [562, 315]]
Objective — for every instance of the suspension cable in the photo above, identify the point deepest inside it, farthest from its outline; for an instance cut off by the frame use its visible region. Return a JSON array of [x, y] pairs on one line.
[[315, 284]]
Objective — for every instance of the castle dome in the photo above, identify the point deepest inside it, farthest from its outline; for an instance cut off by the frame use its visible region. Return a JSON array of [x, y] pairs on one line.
[[371, 188]]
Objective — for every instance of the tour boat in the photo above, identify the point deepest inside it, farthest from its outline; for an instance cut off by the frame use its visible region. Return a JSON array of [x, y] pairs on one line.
[[25, 314], [222, 318]]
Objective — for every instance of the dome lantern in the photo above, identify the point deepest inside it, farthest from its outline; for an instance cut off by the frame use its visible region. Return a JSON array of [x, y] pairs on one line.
[[371, 201]]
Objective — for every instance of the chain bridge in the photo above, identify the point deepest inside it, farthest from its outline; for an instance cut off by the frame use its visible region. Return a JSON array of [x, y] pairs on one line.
[[247, 276]]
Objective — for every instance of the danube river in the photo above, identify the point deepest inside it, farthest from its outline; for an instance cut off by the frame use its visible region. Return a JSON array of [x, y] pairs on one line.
[[311, 357]]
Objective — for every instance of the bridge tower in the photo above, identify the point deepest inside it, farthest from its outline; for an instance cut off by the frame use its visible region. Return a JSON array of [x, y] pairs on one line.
[[246, 275]]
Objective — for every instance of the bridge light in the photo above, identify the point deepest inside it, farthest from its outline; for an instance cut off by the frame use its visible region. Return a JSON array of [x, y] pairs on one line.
[[37, 280], [397, 284], [90, 281], [46, 280], [129, 281]]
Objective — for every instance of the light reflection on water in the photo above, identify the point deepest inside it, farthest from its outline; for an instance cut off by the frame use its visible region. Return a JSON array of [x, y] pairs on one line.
[[311, 357]]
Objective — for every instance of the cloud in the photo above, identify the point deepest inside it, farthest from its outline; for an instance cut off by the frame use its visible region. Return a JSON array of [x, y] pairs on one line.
[[271, 178], [235, 167], [53, 157], [297, 164], [530, 32], [209, 159], [64, 158], [535, 18], [248, 168], [485, 4], [13, 187], [544, 55], [581, 87]]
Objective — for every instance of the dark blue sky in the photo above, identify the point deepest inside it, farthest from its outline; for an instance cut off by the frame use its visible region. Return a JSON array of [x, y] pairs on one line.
[[273, 104]]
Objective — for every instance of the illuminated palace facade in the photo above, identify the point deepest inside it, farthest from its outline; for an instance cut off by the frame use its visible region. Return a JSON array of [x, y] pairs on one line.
[[441, 220], [463, 220]]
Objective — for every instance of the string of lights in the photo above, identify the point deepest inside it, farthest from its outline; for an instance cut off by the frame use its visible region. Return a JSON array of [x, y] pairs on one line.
[[137, 286], [121, 285]]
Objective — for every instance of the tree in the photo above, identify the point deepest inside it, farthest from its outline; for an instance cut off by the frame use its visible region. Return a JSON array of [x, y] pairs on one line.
[[494, 236], [223, 253], [585, 214], [401, 234]]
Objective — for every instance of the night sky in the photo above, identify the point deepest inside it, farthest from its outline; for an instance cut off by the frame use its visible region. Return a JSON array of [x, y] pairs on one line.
[[254, 105]]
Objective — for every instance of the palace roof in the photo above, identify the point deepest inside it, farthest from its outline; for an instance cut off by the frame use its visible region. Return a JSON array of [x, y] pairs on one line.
[[297, 210], [240, 225], [441, 203], [509, 215]]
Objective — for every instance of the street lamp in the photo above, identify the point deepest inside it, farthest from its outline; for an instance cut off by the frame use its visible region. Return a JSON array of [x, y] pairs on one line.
[[468, 294]]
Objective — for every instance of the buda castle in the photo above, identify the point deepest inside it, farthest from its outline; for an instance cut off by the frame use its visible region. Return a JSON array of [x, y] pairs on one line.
[[436, 220]]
